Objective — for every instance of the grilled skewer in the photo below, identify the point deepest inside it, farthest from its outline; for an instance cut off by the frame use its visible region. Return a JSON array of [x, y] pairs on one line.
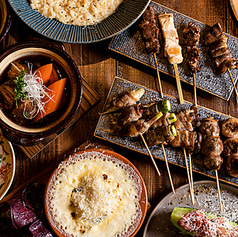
[[127, 99], [150, 35], [191, 34], [172, 49], [212, 148], [217, 42]]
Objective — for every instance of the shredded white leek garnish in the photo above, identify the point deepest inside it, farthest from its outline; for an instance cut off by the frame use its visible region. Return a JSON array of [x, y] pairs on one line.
[[37, 94]]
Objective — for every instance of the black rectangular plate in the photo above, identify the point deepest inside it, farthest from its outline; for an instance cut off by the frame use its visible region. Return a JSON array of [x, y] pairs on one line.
[[130, 44], [107, 123]]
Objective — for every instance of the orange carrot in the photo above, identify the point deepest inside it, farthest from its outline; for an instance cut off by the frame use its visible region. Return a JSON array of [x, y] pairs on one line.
[[53, 77], [44, 72], [56, 91]]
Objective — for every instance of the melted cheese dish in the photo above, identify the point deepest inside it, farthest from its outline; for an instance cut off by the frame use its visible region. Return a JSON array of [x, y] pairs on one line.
[[94, 196]]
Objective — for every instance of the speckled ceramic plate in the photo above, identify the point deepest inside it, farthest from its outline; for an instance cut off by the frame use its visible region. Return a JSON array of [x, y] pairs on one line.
[[206, 198], [106, 125], [7, 165], [126, 14], [130, 44]]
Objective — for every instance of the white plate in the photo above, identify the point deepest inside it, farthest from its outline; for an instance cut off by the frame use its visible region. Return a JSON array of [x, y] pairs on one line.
[[158, 224], [7, 165]]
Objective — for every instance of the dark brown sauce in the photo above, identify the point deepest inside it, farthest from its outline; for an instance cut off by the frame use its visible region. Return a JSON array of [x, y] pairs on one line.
[[37, 62]]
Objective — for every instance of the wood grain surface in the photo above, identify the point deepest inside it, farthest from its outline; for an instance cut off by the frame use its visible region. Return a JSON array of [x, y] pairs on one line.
[[99, 66]]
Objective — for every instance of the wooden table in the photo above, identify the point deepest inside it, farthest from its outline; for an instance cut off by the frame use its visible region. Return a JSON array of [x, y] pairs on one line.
[[99, 66]]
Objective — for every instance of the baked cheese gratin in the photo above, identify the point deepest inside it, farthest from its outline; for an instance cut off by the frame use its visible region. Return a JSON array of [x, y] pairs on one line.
[[92, 194]]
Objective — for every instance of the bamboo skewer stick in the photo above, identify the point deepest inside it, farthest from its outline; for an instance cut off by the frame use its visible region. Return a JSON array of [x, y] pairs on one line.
[[151, 156], [218, 190], [189, 177], [232, 80], [158, 76], [195, 90], [167, 165], [191, 174], [180, 92]]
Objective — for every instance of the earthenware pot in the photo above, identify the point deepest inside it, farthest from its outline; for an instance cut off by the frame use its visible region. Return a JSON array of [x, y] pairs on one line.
[[33, 47]]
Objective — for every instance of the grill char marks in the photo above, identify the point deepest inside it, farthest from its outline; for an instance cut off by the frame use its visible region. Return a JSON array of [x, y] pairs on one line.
[[150, 31], [217, 42], [191, 34]]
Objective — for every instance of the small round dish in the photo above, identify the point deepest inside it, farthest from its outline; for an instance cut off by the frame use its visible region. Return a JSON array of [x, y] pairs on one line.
[[92, 192], [126, 14], [7, 165], [5, 19]]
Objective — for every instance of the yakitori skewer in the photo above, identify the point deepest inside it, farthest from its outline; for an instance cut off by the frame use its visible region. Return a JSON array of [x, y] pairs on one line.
[[187, 138], [138, 128], [150, 35], [191, 34], [217, 42], [212, 147], [162, 131], [125, 100], [172, 49]]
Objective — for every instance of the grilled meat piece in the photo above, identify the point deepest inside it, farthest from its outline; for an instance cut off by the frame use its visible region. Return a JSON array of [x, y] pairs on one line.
[[172, 49], [127, 99], [160, 135], [230, 146], [212, 145], [232, 165], [191, 34], [150, 31], [186, 119], [229, 128], [217, 41], [184, 139], [213, 161], [130, 114], [209, 127], [138, 127]]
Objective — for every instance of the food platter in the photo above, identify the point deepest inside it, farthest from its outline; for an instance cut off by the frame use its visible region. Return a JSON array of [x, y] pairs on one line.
[[129, 43], [106, 126], [7, 165], [127, 13], [206, 198]]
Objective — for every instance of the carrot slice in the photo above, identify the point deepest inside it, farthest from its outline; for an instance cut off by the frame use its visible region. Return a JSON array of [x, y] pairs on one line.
[[44, 72], [53, 77], [56, 91]]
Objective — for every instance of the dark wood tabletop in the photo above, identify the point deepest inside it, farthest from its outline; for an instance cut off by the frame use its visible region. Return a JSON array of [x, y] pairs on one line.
[[98, 65]]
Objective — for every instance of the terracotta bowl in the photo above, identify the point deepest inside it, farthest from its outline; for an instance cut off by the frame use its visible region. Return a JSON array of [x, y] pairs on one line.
[[30, 136], [5, 19], [103, 155]]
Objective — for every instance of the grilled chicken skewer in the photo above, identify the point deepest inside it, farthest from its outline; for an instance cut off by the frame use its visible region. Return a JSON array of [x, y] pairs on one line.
[[212, 148], [172, 49], [162, 132], [217, 42], [150, 35], [127, 99], [191, 34]]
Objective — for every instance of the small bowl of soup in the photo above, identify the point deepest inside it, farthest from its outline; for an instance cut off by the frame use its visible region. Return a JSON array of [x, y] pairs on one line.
[[5, 19], [40, 91]]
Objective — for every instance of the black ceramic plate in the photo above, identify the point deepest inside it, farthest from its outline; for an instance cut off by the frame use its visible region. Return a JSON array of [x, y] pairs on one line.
[[107, 124], [130, 44], [126, 14]]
